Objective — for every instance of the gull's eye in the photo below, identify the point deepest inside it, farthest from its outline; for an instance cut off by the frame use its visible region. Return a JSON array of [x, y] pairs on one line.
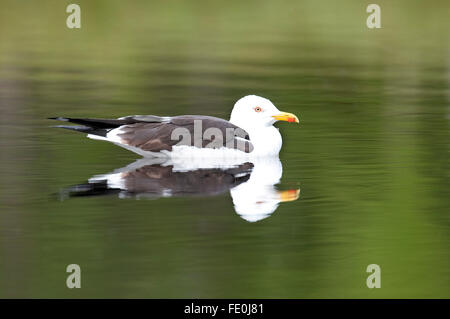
[[258, 109]]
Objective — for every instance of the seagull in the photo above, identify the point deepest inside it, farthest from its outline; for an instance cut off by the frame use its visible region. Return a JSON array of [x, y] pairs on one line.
[[249, 132], [251, 184]]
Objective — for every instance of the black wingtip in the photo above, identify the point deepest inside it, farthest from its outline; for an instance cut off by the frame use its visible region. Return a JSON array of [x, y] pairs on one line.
[[95, 188]]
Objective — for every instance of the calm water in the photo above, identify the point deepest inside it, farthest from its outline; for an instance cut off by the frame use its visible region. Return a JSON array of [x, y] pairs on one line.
[[370, 157]]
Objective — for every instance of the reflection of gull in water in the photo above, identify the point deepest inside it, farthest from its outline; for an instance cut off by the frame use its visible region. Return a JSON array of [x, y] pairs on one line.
[[251, 184], [258, 198]]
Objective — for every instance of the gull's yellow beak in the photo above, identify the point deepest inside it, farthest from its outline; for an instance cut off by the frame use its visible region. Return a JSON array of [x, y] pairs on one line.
[[289, 195], [284, 116]]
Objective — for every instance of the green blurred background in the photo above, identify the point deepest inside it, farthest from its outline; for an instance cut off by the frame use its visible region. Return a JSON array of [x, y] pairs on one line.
[[370, 157]]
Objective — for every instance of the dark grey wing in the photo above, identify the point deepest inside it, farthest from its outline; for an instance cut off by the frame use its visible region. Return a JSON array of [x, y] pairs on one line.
[[190, 130], [155, 180], [156, 133], [153, 137]]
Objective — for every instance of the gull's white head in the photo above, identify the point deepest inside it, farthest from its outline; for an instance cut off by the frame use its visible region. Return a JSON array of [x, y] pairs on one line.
[[256, 115], [258, 112]]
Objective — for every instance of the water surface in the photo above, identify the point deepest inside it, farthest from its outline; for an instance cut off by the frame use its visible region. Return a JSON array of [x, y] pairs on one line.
[[370, 156]]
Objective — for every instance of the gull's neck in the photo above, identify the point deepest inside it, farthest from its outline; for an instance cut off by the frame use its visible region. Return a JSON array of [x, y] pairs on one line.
[[266, 140]]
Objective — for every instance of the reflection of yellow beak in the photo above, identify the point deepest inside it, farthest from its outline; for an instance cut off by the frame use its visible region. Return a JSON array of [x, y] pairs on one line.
[[288, 117], [289, 195]]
